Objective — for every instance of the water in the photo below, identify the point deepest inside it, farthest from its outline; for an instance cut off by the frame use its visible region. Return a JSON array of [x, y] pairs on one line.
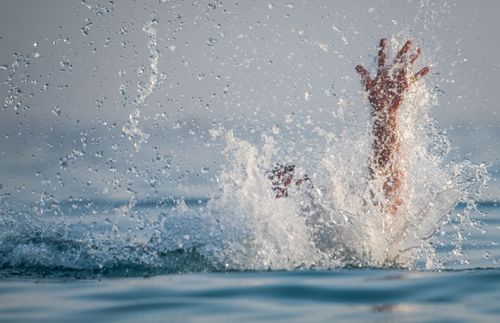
[[73, 279], [341, 295], [147, 197], [241, 249]]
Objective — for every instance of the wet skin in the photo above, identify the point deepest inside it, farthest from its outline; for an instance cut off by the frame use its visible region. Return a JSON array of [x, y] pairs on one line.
[[386, 93]]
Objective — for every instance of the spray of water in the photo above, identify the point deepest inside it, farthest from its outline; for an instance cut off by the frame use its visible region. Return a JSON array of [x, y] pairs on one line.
[[132, 130], [335, 221]]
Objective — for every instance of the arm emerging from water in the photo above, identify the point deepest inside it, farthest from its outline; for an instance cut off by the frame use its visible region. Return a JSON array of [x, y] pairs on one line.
[[386, 93]]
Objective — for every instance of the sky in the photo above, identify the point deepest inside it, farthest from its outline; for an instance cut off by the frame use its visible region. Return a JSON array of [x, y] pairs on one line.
[[77, 75]]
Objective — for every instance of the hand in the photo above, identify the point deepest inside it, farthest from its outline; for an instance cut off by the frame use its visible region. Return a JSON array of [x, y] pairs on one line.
[[282, 177], [386, 91]]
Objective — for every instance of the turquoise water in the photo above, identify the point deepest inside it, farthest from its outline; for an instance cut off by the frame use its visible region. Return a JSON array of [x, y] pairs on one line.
[[303, 296], [184, 287]]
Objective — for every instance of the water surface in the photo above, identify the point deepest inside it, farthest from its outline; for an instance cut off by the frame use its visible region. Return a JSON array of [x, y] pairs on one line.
[[464, 291]]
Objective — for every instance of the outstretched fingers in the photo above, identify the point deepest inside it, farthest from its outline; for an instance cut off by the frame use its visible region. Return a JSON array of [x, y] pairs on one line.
[[365, 76], [382, 53], [415, 56], [403, 51], [423, 72]]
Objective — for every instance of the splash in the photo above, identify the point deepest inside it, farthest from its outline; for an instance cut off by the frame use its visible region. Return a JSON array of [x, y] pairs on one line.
[[132, 130], [335, 221], [259, 231], [329, 223]]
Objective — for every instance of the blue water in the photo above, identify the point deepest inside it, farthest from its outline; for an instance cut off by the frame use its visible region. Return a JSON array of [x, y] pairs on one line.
[[183, 287], [308, 296]]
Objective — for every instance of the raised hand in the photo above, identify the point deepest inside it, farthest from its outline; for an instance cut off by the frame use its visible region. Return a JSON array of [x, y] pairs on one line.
[[385, 93], [387, 89]]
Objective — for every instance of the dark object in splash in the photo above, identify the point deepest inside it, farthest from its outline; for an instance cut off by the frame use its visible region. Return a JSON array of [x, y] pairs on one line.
[[282, 176]]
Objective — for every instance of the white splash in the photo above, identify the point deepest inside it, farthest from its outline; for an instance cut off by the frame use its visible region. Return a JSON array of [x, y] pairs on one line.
[[256, 231], [131, 129], [335, 221]]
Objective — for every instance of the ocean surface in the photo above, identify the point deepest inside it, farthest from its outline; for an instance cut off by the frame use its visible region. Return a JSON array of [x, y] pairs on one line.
[[117, 116], [185, 288]]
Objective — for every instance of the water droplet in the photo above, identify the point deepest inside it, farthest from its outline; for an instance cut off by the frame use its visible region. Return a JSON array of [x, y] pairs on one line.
[[66, 65], [123, 89], [86, 28], [9, 100], [323, 46], [99, 102], [56, 111], [211, 42], [141, 70], [99, 9], [63, 163]]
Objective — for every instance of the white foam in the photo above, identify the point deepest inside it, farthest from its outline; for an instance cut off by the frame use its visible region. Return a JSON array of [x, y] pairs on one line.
[[336, 221]]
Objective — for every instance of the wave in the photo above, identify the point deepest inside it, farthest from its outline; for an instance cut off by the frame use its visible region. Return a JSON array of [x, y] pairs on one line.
[[333, 222]]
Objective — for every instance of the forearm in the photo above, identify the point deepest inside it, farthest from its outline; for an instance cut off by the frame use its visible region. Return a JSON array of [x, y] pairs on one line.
[[386, 157], [386, 145]]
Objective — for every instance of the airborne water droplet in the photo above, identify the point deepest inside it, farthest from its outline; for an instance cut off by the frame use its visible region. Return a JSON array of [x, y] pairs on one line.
[[56, 111], [211, 42], [66, 65], [86, 28]]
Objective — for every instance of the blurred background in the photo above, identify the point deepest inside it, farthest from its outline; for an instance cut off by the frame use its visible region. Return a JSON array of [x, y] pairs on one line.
[[114, 99]]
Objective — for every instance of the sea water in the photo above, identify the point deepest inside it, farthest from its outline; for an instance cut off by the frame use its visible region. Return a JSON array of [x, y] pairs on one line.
[[325, 252], [244, 255], [66, 278]]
